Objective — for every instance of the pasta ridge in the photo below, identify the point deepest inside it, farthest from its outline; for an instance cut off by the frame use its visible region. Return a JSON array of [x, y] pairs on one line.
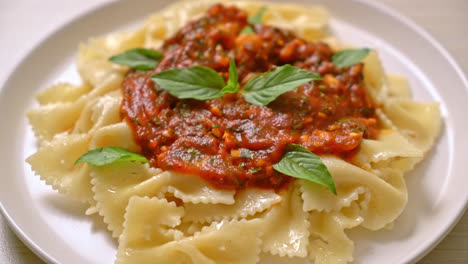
[[199, 250], [247, 203], [331, 245], [194, 190], [316, 197], [62, 92], [59, 172], [111, 204], [287, 227]]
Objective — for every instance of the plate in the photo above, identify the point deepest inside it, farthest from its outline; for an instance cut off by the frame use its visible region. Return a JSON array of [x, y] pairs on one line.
[[57, 230]]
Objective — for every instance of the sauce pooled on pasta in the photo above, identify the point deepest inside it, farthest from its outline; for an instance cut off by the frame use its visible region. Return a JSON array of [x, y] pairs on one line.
[[228, 142]]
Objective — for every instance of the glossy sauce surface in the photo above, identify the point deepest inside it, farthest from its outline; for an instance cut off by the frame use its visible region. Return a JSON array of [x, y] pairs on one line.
[[233, 144]]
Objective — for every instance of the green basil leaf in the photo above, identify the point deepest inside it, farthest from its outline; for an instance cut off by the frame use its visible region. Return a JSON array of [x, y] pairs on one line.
[[263, 89], [232, 85], [107, 155], [257, 18], [247, 30], [348, 57], [139, 59], [300, 163], [196, 82]]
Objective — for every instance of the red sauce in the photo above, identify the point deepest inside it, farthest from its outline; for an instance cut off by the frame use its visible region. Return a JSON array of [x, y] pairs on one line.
[[227, 141]]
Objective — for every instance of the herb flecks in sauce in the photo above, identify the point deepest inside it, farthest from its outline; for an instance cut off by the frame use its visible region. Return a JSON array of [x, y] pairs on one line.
[[210, 138]]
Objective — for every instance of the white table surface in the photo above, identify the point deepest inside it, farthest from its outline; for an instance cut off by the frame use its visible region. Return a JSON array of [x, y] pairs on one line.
[[446, 20]]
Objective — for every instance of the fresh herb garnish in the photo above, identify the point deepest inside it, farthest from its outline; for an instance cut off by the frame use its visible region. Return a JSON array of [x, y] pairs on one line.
[[197, 82], [257, 18], [246, 153], [203, 83], [349, 57], [232, 85], [300, 163], [265, 88], [247, 30], [110, 154], [139, 59]]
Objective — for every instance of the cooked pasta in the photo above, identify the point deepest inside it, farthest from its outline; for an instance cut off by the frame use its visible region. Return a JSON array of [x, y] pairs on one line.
[[173, 217]]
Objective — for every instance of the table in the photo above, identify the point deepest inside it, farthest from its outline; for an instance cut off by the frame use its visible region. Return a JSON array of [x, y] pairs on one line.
[[446, 20]]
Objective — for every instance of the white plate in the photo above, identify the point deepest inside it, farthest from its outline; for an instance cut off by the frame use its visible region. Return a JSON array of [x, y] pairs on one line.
[[56, 228]]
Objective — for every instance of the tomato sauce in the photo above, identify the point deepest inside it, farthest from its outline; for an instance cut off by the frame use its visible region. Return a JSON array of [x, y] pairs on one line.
[[228, 142]]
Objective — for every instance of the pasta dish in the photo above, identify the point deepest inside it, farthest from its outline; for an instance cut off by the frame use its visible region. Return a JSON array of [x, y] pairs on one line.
[[227, 132]]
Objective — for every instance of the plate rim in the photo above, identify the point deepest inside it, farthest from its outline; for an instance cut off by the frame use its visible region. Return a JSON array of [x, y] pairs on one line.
[[428, 246]]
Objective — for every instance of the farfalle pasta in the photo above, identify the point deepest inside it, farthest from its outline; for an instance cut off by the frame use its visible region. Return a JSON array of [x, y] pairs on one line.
[[169, 216]]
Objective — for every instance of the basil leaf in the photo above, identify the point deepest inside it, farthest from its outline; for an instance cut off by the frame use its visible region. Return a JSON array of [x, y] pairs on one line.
[[257, 18], [196, 82], [232, 85], [300, 163], [263, 89], [247, 30], [139, 59], [107, 155], [348, 57]]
